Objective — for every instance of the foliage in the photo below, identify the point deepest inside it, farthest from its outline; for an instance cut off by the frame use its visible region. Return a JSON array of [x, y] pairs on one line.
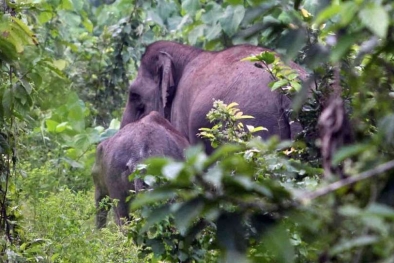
[[234, 196], [284, 77], [227, 127], [59, 227], [65, 68]]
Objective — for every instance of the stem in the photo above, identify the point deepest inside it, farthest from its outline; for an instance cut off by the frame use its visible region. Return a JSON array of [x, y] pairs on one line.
[[347, 181]]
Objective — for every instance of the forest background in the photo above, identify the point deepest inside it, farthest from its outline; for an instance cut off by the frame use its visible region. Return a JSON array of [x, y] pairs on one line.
[[65, 68]]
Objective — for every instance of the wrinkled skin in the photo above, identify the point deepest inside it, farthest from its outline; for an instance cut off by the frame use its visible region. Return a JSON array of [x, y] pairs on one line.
[[117, 157], [181, 83]]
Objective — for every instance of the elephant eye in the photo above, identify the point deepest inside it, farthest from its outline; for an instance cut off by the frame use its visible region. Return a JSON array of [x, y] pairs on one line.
[[134, 96]]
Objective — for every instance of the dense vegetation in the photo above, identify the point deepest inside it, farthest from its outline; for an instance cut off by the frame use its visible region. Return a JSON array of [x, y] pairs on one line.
[[328, 197]]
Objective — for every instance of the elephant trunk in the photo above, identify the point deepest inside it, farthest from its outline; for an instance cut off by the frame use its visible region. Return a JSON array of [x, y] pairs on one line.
[[127, 116]]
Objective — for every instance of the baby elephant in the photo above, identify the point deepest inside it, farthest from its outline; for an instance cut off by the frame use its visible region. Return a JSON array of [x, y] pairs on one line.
[[117, 157]]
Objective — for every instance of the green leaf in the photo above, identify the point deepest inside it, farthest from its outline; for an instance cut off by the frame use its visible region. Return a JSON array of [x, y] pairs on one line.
[[186, 213], [231, 19], [155, 18], [253, 129], [51, 125], [155, 216], [60, 64], [360, 241], [26, 85], [88, 25], [277, 84], [348, 151], [328, 13], [232, 105], [23, 27], [66, 5], [375, 18], [380, 210], [279, 245], [293, 41], [230, 233], [45, 16], [195, 34], [152, 197], [156, 164], [4, 146], [61, 127], [7, 102], [172, 170], [191, 6], [114, 124], [343, 45], [267, 57], [235, 2]]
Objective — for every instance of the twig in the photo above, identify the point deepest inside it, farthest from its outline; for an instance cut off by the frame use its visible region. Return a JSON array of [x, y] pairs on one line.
[[347, 181]]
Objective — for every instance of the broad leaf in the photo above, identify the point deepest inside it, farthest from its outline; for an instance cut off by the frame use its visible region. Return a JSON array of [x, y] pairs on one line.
[[231, 19], [375, 18], [186, 213]]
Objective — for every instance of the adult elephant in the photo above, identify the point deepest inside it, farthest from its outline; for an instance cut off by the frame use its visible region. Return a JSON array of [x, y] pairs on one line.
[[181, 82]]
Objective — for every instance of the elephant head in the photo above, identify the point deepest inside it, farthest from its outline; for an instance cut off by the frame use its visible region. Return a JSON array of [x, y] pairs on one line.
[[159, 73]]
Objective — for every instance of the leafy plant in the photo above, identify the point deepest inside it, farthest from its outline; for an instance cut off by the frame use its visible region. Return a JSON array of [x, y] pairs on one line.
[[229, 199], [227, 127]]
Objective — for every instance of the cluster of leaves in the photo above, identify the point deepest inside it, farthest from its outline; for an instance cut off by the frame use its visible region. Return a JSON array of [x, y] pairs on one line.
[[227, 128], [284, 77]]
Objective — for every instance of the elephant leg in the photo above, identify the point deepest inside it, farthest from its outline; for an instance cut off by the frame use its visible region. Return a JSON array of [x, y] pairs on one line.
[[121, 211], [101, 211]]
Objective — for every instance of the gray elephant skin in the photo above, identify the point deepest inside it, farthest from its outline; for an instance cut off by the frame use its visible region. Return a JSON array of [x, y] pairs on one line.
[[117, 157], [181, 82]]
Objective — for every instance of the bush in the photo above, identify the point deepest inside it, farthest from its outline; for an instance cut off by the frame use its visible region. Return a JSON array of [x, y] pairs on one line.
[[59, 227]]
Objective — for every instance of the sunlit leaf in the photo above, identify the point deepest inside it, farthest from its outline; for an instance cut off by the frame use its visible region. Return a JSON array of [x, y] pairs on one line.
[[60, 64], [66, 5], [88, 25], [277, 84], [61, 127], [45, 16], [51, 125]]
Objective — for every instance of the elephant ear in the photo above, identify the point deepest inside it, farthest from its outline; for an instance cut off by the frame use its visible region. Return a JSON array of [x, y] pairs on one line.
[[167, 78]]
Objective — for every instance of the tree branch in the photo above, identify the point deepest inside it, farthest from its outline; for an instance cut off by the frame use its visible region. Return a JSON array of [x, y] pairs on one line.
[[345, 182]]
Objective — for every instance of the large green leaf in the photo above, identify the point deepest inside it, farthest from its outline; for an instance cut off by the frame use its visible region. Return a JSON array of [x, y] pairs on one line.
[[155, 216], [231, 19], [188, 212], [348, 244], [191, 6], [231, 236], [375, 18]]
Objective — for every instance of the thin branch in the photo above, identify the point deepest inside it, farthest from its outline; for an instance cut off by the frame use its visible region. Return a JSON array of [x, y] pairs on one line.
[[346, 182]]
